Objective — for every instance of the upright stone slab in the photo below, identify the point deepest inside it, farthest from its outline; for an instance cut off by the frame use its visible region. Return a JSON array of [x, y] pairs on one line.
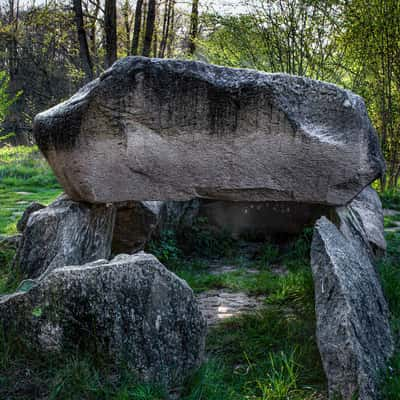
[[367, 207], [65, 233], [135, 223], [131, 310], [353, 330], [151, 129]]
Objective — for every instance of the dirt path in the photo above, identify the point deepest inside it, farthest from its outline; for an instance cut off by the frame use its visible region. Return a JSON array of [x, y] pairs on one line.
[[219, 304]]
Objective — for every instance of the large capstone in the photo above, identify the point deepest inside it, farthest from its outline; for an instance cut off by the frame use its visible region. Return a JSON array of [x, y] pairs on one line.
[[353, 330], [130, 310], [151, 129], [65, 233]]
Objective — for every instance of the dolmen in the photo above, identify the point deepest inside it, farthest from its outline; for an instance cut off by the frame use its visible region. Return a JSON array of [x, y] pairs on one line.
[[153, 143]]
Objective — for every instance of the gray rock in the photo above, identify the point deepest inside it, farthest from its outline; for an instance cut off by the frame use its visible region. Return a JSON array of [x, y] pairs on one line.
[[178, 215], [151, 129], [21, 225], [353, 330], [65, 233], [135, 223], [367, 205], [131, 309]]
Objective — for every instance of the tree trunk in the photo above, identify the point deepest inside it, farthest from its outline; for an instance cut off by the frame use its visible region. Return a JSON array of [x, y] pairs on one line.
[[83, 44], [137, 27], [127, 25], [110, 27], [148, 37], [171, 38], [165, 28], [194, 26]]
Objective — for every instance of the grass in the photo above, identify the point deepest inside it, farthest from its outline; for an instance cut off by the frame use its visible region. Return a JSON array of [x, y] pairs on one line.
[[271, 354], [24, 177], [389, 222], [389, 269], [391, 199]]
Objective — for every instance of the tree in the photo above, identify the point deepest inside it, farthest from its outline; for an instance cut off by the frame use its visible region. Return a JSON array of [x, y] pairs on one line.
[[373, 51], [294, 36], [83, 44], [110, 28], [148, 37], [194, 26], [6, 100], [137, 27]]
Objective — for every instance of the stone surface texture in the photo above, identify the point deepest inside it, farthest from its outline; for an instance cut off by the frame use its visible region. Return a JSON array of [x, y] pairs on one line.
[[35, 206], [368, 207], [65, 233], [135, 223], [151, 129], [131, 309], [353, 330]]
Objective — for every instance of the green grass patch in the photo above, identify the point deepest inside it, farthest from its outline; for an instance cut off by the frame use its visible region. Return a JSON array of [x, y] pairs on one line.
[[389, 222], [391, 199], [25, 177], [26, 374], [389, 269]]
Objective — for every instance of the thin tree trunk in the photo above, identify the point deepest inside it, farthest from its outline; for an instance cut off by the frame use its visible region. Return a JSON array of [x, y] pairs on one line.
[[110, 27], [171, 36], [148, 37], [127, 25], [137, 27], [165, 30], [83, 44], [194, 26]]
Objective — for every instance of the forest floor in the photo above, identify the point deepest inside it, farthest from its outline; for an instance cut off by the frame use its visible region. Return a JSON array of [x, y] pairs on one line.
[[257, 297]]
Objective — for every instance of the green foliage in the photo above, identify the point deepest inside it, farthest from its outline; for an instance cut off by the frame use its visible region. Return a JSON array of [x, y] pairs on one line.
[[391, 386], [24, 177], [390, 199], [6, 100], [202, 240], [9, 277], [66, 377], [277, 36], [268, 256], [389, 222], [166, 249]]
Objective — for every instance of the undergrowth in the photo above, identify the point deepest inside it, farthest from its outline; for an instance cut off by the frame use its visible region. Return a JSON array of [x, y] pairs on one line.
[[389, 269]]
